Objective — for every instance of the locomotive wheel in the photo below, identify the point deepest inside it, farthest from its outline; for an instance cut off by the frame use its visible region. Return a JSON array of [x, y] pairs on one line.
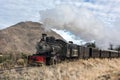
[[52, 61], [55, 60], [58, 60], [41, 64]]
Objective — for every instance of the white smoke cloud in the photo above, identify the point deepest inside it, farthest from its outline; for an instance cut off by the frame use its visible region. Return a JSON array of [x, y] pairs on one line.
[[79, 21]]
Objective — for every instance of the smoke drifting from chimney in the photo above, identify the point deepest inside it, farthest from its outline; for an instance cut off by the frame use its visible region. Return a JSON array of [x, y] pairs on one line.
[[79, 21]]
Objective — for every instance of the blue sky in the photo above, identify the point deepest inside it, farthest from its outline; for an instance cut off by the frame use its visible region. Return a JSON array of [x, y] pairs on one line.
[[14, 11]]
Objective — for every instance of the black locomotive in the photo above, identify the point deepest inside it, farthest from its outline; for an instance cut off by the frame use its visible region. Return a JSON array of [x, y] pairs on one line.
[[51, 50]]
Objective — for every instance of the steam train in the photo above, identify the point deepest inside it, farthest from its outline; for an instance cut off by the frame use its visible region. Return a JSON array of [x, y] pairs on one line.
[[51, 51]]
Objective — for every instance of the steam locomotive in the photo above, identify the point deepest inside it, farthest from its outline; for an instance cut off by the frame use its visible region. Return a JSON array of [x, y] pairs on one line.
[[51, 51]]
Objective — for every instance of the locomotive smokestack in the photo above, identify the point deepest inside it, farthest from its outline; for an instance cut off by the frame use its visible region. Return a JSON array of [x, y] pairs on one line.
[[44, 36]]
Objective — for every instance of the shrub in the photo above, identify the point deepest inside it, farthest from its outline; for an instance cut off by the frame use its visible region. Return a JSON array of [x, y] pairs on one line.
[[21, 62]]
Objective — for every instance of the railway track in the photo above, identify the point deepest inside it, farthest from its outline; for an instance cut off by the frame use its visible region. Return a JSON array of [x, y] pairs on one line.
[[17, 69]]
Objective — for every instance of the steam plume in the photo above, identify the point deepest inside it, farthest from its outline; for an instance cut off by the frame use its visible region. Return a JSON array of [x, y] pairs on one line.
[[79, 21]]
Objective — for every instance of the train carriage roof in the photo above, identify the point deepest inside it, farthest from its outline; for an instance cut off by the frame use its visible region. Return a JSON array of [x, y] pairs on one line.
[[61, 41], [110, 50]]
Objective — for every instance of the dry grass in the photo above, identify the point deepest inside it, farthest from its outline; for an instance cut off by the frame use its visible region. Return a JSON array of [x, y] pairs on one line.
[[9, 61], [91, 69]]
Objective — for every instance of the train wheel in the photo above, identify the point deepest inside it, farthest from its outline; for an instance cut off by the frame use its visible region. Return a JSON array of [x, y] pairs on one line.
[[55, 60], [41, 64], [52, 61], [59, 60]]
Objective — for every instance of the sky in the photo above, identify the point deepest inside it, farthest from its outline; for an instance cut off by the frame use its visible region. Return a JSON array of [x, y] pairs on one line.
[[107, 12], [14, 11]]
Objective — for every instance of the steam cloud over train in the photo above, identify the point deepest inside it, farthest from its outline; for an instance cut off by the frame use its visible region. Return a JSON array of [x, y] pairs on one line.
[[51, 50]]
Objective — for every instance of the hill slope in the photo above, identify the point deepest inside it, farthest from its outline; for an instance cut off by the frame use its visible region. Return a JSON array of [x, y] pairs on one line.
[[22, 37]]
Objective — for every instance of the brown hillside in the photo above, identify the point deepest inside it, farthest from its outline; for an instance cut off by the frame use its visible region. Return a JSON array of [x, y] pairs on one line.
[[22, 37]]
